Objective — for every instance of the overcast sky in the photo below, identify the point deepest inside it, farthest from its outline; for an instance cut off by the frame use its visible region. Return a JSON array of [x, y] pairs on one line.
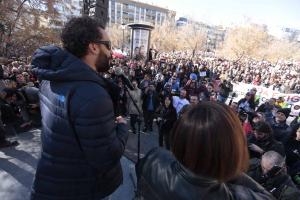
[[274, 13]]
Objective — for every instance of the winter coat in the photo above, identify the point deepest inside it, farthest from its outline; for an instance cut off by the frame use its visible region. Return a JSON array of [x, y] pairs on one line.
[[268, 144], [245, 105], [280, 184], [169, 117], [292, 149], [281, 131], [225, 89], [81, 143], [137, 97], [146, 99], [163, 177]]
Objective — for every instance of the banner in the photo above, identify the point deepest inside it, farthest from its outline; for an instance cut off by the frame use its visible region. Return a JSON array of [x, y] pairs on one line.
[[293, 100]]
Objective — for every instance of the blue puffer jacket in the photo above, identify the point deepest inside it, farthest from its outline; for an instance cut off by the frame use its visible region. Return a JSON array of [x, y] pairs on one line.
[[87, 167]]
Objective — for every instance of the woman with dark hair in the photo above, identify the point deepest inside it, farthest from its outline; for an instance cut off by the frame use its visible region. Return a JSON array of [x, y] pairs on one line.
[[167, 118], [247, 104], [208, 159], [122, 104]]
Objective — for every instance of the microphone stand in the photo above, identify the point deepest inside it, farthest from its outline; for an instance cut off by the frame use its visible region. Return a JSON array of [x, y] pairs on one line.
[[139, 120]]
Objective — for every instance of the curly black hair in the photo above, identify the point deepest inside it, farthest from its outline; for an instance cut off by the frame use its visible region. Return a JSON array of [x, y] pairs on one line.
[[78, 33]]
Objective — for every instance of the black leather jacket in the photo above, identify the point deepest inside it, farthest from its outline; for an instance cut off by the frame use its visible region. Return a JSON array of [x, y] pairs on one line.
[[162, 177]]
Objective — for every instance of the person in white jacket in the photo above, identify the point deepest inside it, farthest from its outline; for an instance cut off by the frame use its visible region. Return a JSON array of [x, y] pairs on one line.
[[136, 95], [181, 101]]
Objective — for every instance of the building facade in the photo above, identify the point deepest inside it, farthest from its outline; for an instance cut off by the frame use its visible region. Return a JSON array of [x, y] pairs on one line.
[[215, 35], [293, 35], [119, 12], [66, 10], [129, 11]]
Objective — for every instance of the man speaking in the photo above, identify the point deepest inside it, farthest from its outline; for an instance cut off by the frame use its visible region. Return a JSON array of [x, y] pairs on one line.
[[82, 141]]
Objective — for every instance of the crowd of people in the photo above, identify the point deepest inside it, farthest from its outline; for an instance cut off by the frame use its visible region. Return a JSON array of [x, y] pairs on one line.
[[282, 76], [173, 90], [166, 87], [19, 100]]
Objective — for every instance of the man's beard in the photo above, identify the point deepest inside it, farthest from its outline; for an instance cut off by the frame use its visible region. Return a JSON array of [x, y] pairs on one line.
[[278, 120], [102, 63]]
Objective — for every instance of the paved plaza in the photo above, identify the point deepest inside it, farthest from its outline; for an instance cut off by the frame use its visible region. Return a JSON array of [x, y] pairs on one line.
[[17, 168]]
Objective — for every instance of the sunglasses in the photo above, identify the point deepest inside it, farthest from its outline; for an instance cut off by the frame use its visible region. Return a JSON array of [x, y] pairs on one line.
[[107, 44]]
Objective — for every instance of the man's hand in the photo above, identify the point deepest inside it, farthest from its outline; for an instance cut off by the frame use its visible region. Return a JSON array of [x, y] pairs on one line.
[[32, 106], [256, 148], [121, 120]]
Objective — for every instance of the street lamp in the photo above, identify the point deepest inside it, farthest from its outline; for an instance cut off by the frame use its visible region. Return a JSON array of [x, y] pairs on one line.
[[140, 40], [123, 26], [207, 44]]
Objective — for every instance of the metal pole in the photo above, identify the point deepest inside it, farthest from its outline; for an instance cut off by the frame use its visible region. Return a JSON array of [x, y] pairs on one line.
[[86, 7], [132, 35], [123, 41]]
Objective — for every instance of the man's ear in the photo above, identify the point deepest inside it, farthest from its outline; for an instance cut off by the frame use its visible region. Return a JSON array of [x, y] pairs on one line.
[[93, 49]]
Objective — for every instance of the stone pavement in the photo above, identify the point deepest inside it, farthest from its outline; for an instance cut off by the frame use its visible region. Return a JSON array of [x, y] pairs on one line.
[[17, 169]]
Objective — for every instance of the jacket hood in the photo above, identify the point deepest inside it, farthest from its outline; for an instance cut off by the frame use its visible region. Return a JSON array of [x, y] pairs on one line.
[[56, 64]]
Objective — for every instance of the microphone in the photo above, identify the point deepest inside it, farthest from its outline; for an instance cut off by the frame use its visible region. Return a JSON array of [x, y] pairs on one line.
[[119, 72]]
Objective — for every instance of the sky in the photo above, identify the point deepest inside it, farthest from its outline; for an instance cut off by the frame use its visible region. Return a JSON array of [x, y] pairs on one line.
[[274, 13]]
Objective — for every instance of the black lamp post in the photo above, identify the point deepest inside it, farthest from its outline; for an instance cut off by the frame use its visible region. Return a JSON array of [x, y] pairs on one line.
[[123, 26]]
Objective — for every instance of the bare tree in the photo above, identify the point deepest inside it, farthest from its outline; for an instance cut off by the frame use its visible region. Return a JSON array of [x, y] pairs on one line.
[[22, 30], [116, 35], [281, 49], [253, 41], [245, 41], [168, 37], [191, 38]]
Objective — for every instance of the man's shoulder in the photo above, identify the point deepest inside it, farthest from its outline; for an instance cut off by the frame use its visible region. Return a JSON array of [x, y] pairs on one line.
[[87, 91], [186, 101], [175, 99], [89, 87], [91, 100]]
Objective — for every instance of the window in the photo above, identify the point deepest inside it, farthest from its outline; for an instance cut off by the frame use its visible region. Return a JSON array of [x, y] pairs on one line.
[[142, 14], [158, 18], [162, 19], [131, 7], [131, 17], [148, 12], [118, 14], [119, 7]]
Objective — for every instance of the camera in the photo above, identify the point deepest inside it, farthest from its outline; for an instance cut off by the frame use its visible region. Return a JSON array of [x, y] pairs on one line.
[[270, 174], [233, 95], [243, 116]]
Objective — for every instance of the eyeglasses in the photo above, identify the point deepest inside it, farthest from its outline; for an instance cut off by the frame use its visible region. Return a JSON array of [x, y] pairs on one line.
[[107, 44]]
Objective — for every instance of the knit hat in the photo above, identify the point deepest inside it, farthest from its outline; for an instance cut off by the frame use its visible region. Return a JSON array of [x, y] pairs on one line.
[[285, 111]]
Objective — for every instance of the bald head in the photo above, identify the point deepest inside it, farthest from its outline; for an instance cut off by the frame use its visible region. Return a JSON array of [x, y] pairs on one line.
[[271, 159]]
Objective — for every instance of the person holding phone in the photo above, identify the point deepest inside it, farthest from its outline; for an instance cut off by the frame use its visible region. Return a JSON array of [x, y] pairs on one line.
[[271, 173]]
